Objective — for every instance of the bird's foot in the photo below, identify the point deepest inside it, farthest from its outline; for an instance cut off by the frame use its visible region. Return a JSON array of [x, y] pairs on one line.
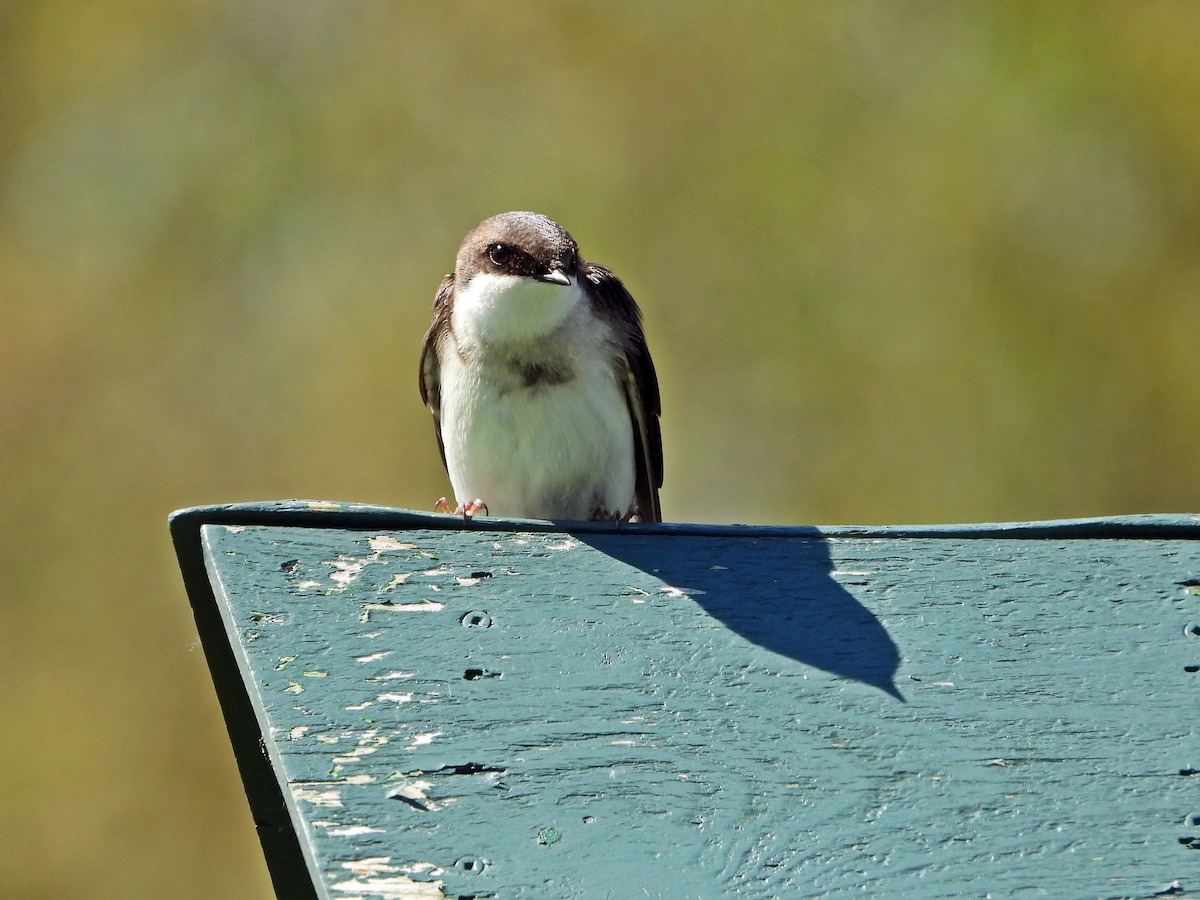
[[601, 514], [467, 511], [472, 508]]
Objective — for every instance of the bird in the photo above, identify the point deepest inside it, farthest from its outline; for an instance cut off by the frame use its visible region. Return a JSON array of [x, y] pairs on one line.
[[544, 398]]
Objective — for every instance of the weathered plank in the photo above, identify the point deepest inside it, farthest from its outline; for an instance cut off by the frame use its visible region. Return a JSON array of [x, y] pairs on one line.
[[683, 711]]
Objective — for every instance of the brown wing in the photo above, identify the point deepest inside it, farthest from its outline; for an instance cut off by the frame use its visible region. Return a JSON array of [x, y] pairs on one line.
[[430, 374], [641, 385]]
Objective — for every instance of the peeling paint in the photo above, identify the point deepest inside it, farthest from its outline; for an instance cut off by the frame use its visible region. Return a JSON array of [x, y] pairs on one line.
[[373, 657], [674, 592], [354, 755], [396, 887], [383, 542], [370, 865], [346, 569], [423, 606], [329, 799], [353, 831], [379, 877], [422, 739], [415, 792]]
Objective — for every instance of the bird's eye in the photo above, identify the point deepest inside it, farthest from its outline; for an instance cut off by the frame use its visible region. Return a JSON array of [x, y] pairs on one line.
[[500, 254]]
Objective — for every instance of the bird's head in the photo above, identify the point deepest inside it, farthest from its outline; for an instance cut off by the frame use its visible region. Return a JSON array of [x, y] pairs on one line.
[[516, 279]]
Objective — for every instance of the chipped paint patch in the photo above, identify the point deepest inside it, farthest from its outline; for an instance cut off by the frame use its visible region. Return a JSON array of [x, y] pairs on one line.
[[323, 504], [294, 734], [422, 739], [346, 569], [327, 799], [419, 868], [377, 875], [565, 544], [371, 865], [235, 529], [425, 605], [398, 578], [353, 831], [383, 542], [373, 657], [354, 755], [369, 742], [415, 792], [394, 887], [396, 698], [674, 592]]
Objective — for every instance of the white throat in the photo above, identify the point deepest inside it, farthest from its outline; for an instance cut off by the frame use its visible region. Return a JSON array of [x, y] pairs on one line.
[[510, 309]]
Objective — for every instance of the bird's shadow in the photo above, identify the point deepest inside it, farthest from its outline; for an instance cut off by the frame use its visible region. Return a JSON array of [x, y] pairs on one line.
[[776, 591]]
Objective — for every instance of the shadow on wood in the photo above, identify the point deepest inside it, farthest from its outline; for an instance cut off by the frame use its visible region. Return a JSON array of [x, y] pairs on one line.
[[784, 601]]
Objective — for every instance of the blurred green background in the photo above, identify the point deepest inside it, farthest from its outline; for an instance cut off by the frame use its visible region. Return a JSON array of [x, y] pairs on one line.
[[900, 262]]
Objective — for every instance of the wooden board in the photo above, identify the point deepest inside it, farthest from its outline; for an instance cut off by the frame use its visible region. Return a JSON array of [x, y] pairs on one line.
[[690, 711]]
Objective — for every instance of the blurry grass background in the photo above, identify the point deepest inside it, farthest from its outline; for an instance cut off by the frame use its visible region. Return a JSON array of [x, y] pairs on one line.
[[900, 262]]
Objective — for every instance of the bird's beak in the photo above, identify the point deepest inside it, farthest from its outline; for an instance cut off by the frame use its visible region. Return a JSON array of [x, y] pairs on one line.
[[556, 276]]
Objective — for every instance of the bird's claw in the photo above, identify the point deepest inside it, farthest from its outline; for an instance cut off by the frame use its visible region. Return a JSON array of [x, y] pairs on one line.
[[467, 511], [601, 514]]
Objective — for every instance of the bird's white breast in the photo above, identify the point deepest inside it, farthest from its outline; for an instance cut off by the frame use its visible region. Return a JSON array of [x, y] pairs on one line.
[[558, 446]]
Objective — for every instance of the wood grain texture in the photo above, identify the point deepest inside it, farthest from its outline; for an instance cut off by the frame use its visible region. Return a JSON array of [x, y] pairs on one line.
[[736, 712]]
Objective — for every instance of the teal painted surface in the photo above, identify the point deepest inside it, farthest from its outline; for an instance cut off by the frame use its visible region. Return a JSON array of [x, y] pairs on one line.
[[700, 712]]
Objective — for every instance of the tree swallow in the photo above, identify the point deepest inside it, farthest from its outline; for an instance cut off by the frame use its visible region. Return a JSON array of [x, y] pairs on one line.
[[535, 368]]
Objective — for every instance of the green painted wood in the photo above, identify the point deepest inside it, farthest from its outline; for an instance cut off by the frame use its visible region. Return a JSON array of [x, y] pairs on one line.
[[692, 711]]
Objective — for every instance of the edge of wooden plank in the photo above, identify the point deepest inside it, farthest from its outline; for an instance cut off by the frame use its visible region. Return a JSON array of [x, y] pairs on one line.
[[286, 861], [185, 524]]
